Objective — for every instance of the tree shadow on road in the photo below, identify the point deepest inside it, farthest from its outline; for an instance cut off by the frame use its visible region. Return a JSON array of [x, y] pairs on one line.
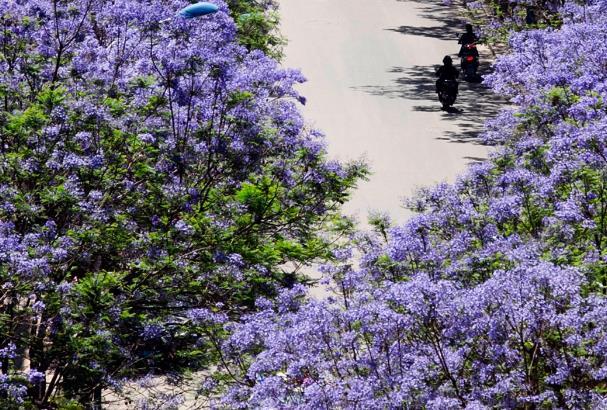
[[448, 26], [475, 102]]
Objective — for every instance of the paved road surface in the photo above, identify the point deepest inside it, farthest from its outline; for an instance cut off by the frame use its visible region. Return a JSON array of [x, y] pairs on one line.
[[370, 68]]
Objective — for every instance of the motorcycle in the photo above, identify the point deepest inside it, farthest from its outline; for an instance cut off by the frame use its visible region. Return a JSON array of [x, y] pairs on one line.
[[447, 93], [469, 62]]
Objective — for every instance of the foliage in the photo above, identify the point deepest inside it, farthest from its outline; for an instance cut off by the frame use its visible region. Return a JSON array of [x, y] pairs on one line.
[[155, 176], [498, 18], [493, 296], [257, 23]]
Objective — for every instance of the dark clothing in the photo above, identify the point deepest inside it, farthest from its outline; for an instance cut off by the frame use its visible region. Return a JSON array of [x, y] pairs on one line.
[[464, 52], [530, 18], [446, 72], [467, 38]]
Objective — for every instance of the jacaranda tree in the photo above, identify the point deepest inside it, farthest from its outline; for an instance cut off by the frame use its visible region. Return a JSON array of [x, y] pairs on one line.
[[498, 18], [493, 296], [153, 173]]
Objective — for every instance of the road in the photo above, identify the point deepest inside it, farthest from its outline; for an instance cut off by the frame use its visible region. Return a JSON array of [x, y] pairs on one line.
[[370, 69]]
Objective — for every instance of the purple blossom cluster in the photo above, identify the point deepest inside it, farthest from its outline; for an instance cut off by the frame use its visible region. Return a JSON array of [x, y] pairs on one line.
[[493, 296], [498, 18], [150, 167]]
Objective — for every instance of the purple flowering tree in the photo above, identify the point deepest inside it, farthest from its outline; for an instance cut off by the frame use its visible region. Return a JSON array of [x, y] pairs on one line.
[[153, 174], [493, 296], [498, 18]]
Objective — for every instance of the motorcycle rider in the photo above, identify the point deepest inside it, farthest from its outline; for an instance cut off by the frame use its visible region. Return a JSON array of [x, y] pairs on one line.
[[446, 72], [467, 38], [446, 85]]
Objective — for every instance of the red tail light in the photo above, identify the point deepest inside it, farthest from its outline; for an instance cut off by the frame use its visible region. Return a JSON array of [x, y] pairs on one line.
[[469, 59]]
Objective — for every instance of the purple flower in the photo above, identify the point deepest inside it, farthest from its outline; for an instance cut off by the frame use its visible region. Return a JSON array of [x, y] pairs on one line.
[[35, 377], [206, 316], [152, 331], [9, 351], [147, 138], [183, 227], [38, 307]]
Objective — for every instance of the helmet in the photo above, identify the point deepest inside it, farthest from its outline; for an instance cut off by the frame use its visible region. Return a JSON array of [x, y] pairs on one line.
[[469, 28], [447, 60]]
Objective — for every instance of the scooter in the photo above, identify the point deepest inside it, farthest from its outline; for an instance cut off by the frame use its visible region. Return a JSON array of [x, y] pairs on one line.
[[469, 62], [447, 93]]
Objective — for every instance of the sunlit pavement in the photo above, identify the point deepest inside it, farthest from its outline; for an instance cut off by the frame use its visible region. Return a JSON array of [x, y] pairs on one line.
[[370, 68]]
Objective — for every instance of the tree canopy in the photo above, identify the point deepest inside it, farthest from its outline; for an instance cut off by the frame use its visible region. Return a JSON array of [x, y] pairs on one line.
[[493, 296], [153, 173]]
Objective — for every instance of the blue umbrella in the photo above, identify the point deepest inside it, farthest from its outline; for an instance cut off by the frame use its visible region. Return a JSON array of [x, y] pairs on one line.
[[198, 9]]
